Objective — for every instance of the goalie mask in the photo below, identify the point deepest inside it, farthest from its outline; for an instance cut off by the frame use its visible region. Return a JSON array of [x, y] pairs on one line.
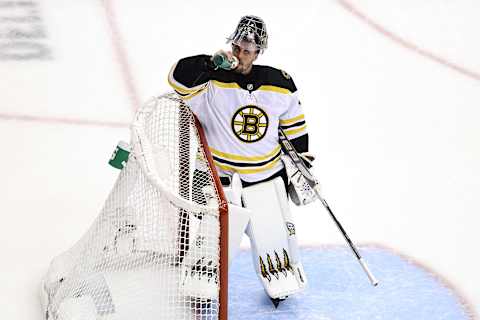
[[250, 29]]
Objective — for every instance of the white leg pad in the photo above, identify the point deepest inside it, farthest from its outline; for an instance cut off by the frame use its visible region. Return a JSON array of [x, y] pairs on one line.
[[233, 193], [238, 216], [272, 235]]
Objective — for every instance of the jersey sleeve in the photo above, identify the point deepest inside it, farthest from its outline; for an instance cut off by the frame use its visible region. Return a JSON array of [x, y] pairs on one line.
[[190, 75], [293, 123]]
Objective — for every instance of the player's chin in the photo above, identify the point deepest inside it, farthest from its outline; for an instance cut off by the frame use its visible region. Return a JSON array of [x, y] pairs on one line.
[[239, 69]]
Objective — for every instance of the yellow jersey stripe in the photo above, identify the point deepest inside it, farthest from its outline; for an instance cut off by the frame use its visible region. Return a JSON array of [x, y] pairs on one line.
[[183, 90], [292, 120], [195, 93], [246, 171], [230, 156], [178, 86], [295, 130], [231, 85], [274, 89]]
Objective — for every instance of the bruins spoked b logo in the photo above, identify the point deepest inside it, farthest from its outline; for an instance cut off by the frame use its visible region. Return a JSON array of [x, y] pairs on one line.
[[250, 123]]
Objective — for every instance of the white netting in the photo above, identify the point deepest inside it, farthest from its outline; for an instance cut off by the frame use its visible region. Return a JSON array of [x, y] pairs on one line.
[[153, 252]]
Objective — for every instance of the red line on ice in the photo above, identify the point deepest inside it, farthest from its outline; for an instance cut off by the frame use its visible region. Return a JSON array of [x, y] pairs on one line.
[[406, 44], [122, 60], [121, 55], [69, 121]]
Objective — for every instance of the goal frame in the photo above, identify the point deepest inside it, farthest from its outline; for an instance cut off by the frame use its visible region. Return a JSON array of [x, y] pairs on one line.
[[162, 233], [223, 216]]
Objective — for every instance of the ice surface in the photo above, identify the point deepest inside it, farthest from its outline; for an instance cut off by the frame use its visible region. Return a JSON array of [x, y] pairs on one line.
[[338, 289], [395, 131]]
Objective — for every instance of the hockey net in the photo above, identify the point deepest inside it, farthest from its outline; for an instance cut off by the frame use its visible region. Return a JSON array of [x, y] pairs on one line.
[[158, 248]]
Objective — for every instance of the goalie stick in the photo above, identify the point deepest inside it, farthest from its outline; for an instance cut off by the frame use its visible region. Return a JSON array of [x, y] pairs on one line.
[[289, 149]]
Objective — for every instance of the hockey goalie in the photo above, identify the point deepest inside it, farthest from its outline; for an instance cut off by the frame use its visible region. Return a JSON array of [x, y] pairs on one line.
[[242, 105]]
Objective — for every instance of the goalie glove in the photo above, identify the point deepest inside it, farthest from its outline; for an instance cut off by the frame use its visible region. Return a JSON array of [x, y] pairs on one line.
[[299, 190]]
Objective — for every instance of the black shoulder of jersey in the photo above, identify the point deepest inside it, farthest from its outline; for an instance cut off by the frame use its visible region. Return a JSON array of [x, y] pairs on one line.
[[276, 77], [259, 76], [195, 70], [192, 71]]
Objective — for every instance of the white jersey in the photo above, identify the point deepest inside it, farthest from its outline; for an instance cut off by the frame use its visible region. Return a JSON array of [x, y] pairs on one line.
[[241, 114]]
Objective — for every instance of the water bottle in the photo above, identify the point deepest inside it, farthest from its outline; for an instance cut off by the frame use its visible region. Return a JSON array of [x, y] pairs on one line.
[[220, 60], [119, 157]]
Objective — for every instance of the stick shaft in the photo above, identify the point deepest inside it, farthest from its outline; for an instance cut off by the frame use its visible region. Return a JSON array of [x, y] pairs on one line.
[[355, 251], [292, 153]]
